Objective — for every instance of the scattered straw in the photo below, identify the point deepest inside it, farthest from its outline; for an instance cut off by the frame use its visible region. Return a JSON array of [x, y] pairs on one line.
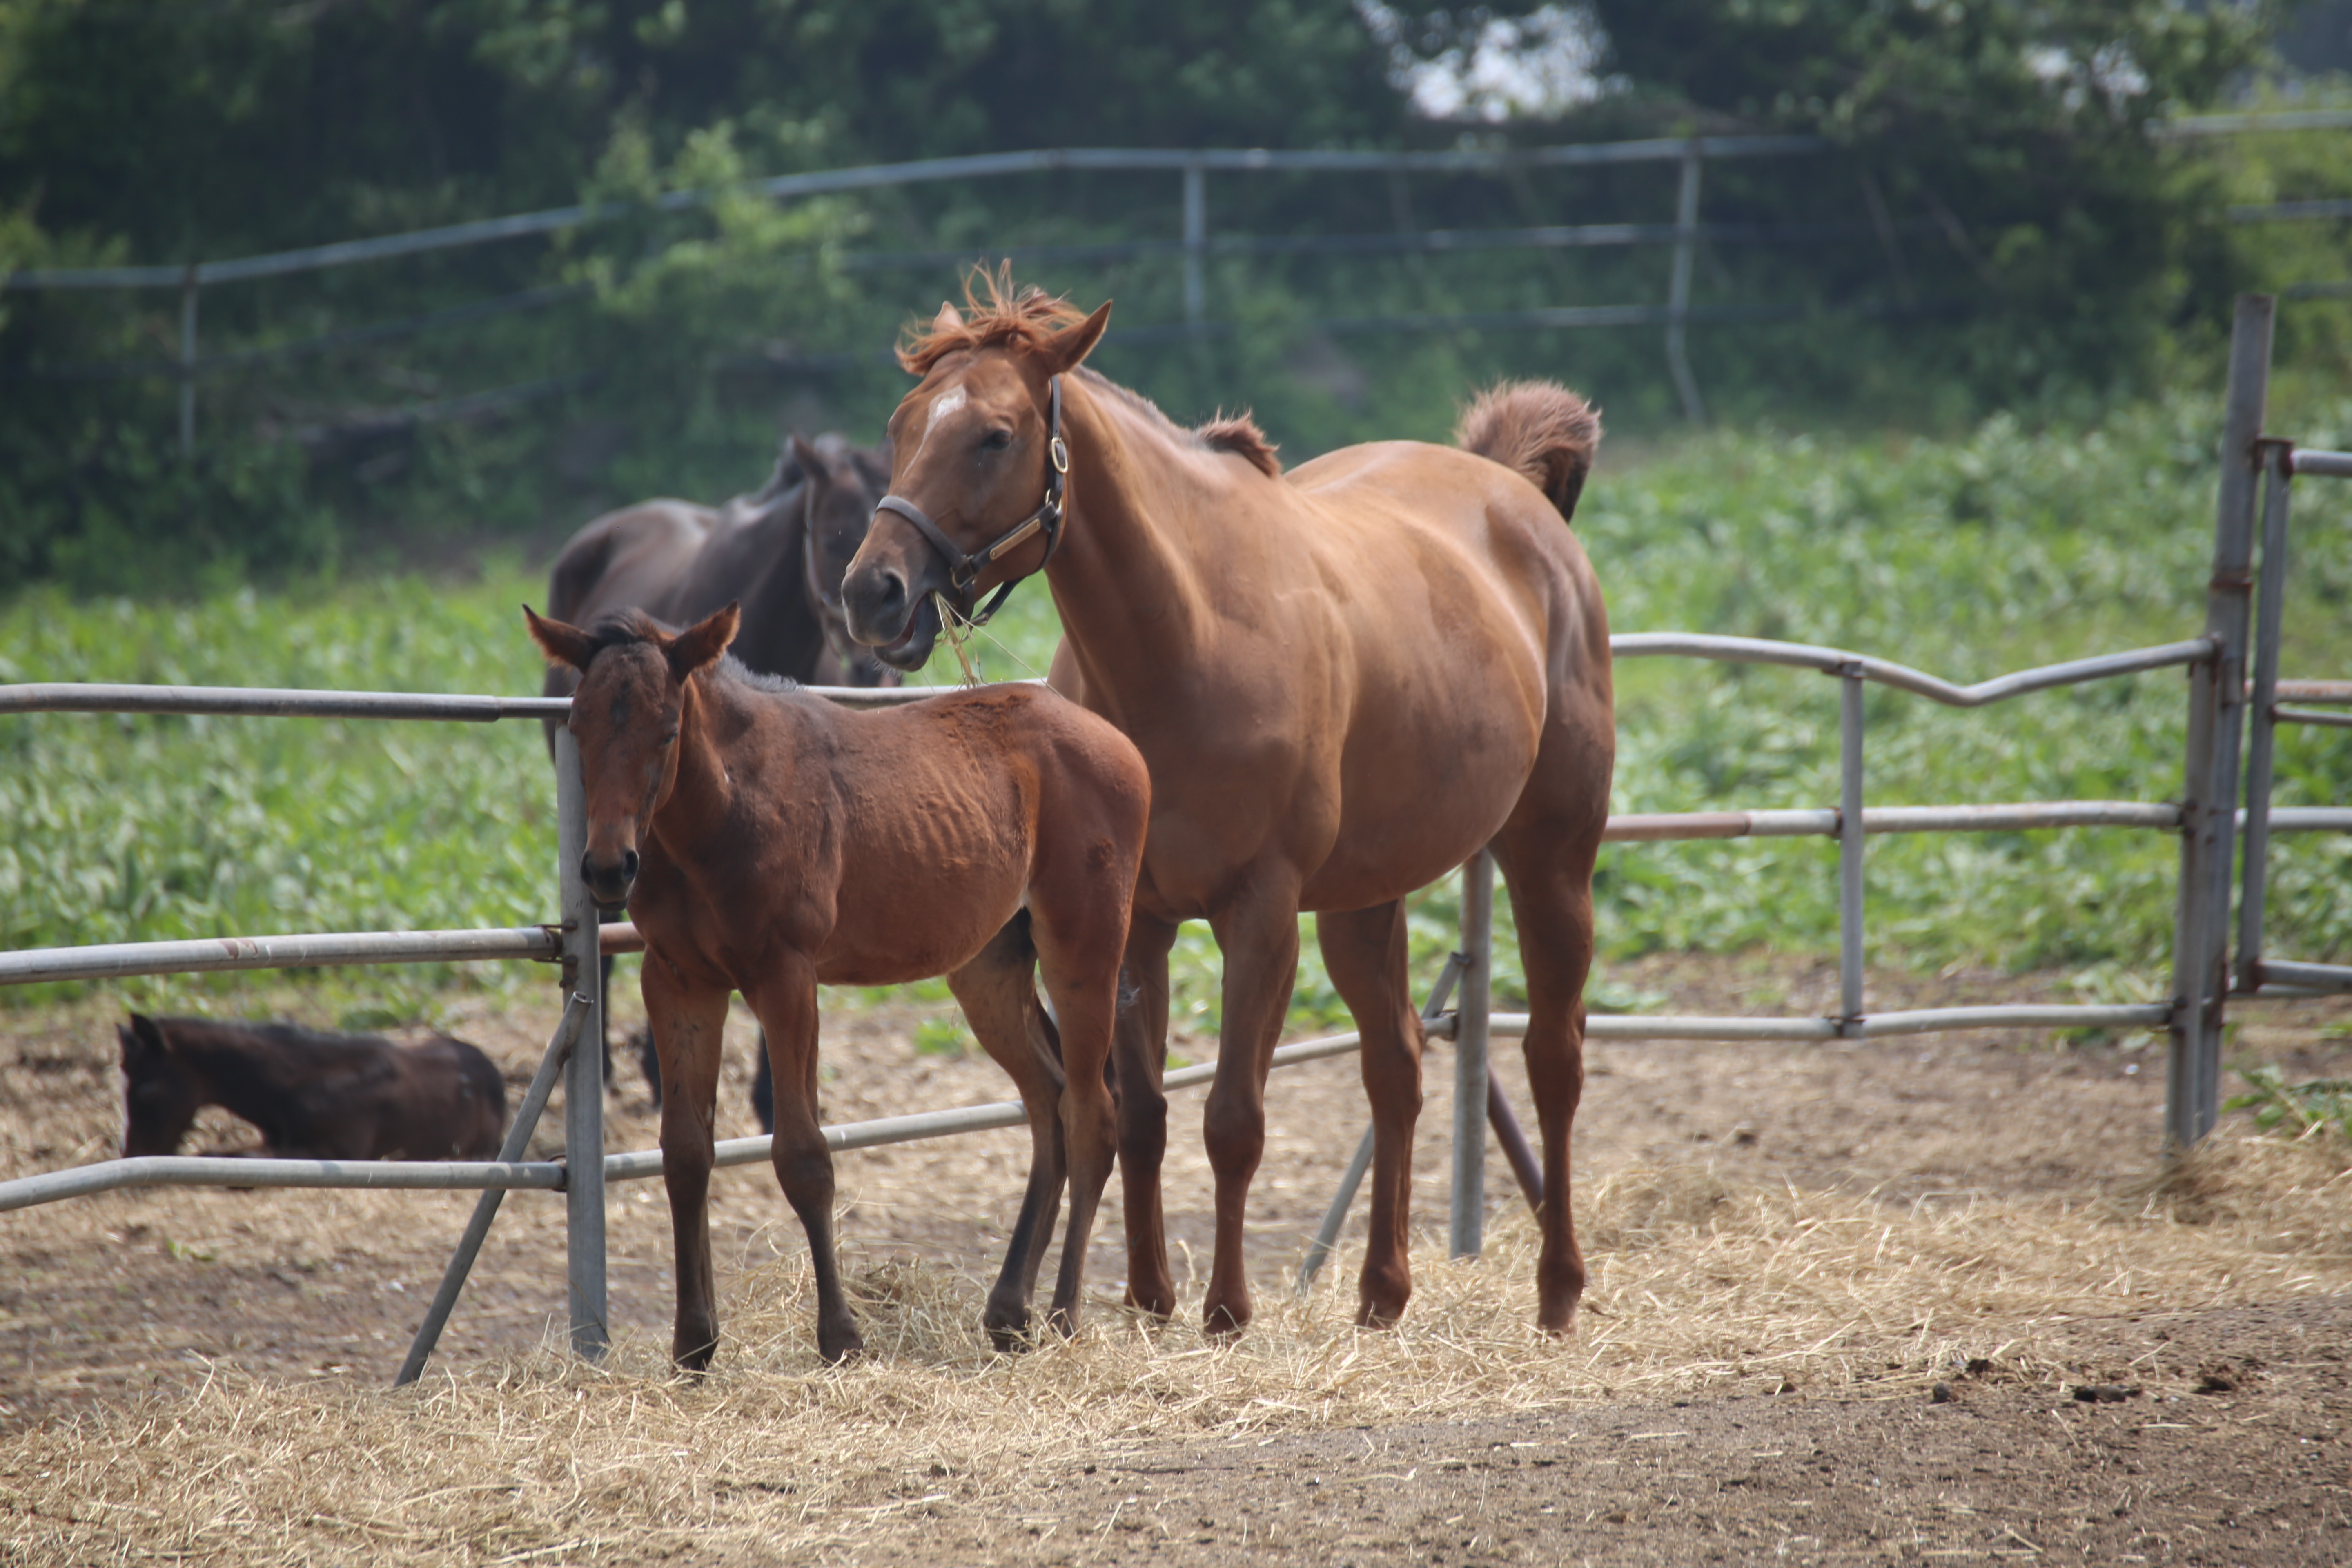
[[1699, 1285]]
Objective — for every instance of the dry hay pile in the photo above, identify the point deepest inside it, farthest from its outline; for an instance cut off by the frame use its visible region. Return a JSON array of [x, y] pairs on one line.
[[1698, 1287]]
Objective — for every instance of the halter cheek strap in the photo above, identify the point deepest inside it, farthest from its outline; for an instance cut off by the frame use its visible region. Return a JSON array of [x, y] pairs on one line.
[[963, 569]]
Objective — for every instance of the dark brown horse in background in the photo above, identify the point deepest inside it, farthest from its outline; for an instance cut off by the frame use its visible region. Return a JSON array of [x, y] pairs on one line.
[[1347, 680], [314, 1095], [768, 841], [780, 551]]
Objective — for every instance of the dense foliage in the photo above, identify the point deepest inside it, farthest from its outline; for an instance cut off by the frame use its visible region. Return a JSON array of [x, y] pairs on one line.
[[1967, 558], [1994, 194]]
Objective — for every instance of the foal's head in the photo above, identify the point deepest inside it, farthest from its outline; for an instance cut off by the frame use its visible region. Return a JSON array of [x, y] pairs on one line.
[[160, 1093], [626, 716], [969, 448]]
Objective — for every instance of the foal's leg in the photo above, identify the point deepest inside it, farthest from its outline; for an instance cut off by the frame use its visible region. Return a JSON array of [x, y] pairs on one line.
[[1259, 935], [1079, 923], [687, 1024], [1365, 951], [998, 997], [1548, 869], [786, 1000], [1139, 1055]]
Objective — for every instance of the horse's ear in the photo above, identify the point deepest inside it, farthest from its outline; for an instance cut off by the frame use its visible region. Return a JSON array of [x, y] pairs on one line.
[[704, 641], [1067, 349], [805, 453], [562, 643], [949, 319]]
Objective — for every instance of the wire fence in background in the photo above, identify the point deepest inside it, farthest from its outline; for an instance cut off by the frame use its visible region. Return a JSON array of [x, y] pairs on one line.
[[1193, 250]]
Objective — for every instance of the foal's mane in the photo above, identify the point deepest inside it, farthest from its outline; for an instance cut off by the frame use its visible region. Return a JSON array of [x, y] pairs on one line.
[[632, 627], [998, 315]]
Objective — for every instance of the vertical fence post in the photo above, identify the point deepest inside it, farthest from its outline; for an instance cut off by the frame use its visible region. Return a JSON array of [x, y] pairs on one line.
[[1850, 848], [1469, 1216], [1196, 241], [2269, 615], [2216, 720], [188, 363], [584, 1083], [1678, 289]]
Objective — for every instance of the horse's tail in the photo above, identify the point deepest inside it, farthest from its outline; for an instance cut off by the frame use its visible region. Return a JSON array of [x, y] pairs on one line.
[[1537, 429]]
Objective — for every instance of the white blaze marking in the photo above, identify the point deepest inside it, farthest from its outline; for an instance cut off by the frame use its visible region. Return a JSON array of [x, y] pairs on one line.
[[945, 404]]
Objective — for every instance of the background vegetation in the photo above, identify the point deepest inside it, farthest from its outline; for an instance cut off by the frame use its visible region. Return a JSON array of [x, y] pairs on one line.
[[2042, 252], [1968, 557]]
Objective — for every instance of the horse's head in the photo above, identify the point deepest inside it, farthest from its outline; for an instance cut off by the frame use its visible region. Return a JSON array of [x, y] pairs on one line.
[[843, 483], [160, 1092], [972, 455], [626, 715]]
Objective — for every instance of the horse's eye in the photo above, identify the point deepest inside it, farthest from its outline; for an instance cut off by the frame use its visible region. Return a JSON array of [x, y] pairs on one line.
[[996, 440]]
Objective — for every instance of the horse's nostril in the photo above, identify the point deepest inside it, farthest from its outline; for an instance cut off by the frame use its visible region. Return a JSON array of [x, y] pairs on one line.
[[629, 865]]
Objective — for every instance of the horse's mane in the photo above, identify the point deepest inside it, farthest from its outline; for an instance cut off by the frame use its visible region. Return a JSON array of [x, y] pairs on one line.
[[998, 315], [630, 627]]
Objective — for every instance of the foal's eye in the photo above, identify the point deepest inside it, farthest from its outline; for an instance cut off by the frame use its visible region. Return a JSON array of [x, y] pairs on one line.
[[996, 440]]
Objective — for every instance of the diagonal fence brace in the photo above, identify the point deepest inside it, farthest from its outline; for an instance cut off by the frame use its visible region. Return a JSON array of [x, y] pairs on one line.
[[486, 1209]]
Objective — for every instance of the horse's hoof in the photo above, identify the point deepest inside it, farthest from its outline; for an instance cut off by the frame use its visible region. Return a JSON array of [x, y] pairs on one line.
[[1063, 1322], [1156, 1301], [840, 1345], [1009, 1335], [1372, 1315], [693, 1360], [1224, 1320], [1559, 1324]]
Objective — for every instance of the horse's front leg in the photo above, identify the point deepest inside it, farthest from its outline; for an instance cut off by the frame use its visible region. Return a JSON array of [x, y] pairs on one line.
[[998, 994], [1258, 933], [688, 1023], [785, 1000]]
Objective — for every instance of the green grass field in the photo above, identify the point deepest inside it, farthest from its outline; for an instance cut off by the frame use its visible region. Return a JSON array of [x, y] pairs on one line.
[[1965, 558]]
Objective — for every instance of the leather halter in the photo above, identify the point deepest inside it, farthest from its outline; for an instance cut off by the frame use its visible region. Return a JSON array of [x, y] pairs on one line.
[[963, 569]]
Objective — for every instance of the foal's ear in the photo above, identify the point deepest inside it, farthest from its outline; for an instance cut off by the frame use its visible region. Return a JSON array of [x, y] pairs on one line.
[[704, 641], [139, 1038], [947, 320], [561, 642], [1067, 349]]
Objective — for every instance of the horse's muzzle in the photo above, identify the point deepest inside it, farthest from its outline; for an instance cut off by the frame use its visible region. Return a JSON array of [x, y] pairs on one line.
[[897, 619], [609, 881]]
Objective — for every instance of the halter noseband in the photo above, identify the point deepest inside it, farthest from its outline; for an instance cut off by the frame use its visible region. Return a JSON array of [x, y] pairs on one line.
[[963, 569]]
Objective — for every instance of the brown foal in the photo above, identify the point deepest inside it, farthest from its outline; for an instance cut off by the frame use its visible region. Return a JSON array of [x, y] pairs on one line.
[[767, 841], [1345, 680]]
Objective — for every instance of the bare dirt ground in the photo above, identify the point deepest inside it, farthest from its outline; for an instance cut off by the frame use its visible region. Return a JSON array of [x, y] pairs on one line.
[[1798, 1414]]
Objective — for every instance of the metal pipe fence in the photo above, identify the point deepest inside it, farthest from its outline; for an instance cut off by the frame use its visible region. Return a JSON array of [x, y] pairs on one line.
[[2210, 820], [1193, 248]]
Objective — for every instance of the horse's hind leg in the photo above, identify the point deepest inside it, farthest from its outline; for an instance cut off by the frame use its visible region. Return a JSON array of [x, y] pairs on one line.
[[687, 1024], [999, 998], [785, 1000], [1365, 951], [1548, 868], [1140, 1060]]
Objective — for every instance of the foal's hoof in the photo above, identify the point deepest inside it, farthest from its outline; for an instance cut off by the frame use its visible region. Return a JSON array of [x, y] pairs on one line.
[[693, 1360], [1009, 1333]]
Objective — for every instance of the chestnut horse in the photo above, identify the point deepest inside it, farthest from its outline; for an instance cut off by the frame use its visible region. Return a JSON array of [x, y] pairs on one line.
[[1346, 681], [768, 841]]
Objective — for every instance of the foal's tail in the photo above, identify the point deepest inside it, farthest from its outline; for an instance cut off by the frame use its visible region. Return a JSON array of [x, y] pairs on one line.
[[1537, 429]]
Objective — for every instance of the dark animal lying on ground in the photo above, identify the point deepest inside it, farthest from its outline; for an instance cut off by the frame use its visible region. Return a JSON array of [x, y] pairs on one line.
[[314, 1095]]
